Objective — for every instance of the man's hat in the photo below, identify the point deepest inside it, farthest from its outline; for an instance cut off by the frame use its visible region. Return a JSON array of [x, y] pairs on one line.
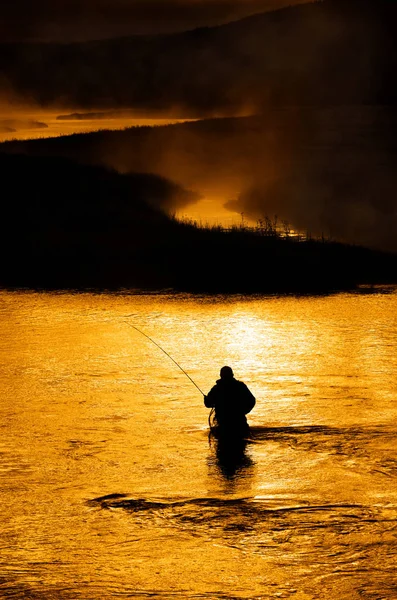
[[226, 373]]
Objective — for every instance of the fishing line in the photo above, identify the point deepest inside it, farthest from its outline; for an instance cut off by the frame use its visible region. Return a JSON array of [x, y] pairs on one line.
[[166, 353]]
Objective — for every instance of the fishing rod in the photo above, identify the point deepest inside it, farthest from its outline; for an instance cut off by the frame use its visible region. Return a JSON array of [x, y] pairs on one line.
[[166, 353]]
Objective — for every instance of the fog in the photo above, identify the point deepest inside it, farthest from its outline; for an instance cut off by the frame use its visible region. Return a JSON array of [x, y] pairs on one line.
[[321, 53], [355, 203], [327, 171], [321, 155]]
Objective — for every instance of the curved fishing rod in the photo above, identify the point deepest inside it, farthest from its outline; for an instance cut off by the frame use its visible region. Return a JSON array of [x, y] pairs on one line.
[[166, 353]]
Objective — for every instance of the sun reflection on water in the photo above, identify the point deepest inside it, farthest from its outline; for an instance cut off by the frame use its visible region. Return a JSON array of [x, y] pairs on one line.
[[109, 486]]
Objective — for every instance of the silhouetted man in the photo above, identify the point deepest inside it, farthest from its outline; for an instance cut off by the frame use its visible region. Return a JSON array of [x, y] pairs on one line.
[[231, 400]]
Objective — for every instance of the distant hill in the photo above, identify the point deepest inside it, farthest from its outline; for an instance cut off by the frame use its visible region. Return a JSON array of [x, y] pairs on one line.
[[329, 52]]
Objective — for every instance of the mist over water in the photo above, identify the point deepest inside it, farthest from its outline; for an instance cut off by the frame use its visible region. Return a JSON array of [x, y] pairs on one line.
[[109, 485], [327, 171]]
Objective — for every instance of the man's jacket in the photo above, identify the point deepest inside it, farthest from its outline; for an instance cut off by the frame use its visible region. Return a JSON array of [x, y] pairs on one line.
[[232, 400]]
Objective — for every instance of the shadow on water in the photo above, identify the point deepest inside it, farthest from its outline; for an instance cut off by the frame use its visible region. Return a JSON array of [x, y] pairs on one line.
[[372, 448], [321, 539], [231, 457], [317, 538], [320, 434]]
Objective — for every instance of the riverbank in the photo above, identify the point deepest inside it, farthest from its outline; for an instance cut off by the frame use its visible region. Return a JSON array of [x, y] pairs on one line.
[[70, 226]]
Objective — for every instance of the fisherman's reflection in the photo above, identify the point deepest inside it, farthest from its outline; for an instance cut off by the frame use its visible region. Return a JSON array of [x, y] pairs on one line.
[[232, 457]]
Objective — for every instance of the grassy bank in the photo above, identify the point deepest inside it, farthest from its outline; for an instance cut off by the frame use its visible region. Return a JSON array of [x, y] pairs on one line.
[[66, 225]]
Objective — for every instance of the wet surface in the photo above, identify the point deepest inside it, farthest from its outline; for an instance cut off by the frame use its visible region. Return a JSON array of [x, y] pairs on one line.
[[110, 485]]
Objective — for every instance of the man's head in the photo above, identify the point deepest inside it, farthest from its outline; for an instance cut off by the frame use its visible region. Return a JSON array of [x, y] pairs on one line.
[[226, 373]]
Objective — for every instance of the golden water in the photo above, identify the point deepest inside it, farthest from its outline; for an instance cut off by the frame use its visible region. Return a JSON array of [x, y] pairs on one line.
[[89, 408], [58, 128]]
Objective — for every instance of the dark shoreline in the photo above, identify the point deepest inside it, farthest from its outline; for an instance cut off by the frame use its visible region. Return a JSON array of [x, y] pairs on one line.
[[71, 226], [171, 294], [344, 269]]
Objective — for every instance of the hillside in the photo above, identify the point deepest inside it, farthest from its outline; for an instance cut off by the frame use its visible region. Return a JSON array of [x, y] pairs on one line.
[[328, 52], [328, 171], [70, 226]]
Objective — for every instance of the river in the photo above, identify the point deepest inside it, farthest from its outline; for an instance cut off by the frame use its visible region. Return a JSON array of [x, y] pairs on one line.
[[111, 488], [32, 125]]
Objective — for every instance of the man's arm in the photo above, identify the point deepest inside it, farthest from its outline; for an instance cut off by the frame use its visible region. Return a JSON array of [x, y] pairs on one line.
[[210, 398], [249, 400]]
